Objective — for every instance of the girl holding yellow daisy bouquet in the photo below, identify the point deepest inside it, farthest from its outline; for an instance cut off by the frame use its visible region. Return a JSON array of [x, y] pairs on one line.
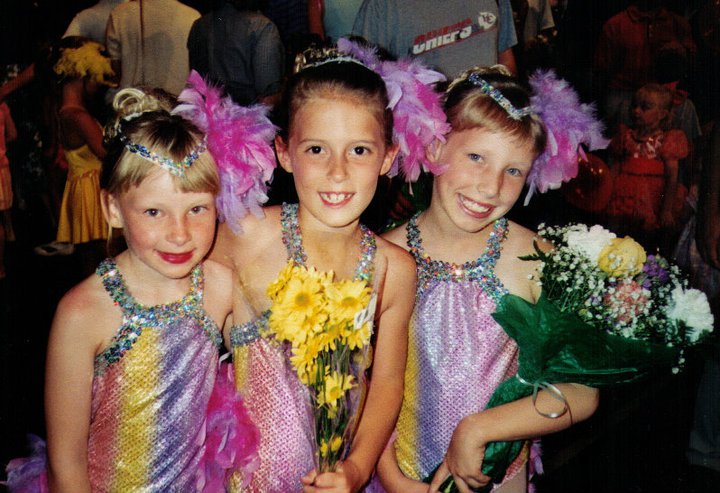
[[309, 275]]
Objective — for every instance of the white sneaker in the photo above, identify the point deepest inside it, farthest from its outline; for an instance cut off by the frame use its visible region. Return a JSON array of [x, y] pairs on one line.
[[54, 248]]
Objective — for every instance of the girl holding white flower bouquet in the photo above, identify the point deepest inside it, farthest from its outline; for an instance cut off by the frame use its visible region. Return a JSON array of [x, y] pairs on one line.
[[458, 354], [303, 335]]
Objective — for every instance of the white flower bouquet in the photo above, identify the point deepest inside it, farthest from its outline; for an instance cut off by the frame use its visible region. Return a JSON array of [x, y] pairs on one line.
[[608, 313]]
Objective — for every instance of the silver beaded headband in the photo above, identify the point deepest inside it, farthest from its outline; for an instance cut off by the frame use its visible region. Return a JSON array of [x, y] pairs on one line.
[[175, 168], [488, 89]]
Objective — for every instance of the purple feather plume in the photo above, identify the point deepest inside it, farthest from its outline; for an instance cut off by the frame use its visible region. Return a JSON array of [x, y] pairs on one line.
[[29, 474], [239, 138], [419, 120], [569, 123]]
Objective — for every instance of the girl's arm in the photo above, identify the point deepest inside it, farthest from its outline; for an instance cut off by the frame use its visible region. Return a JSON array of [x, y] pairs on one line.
[[92, 133], [10, 130], [68, 389], [385, 390], [85, 128], [516, 420], [391, 476]]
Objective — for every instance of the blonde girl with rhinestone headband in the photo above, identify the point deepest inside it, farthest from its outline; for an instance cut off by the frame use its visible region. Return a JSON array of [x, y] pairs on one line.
[[336, 139], [133, 349], [466, 254]]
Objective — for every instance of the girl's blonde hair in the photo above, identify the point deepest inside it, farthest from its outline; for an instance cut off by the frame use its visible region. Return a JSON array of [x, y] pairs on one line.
[[468, 107], [144, 118]]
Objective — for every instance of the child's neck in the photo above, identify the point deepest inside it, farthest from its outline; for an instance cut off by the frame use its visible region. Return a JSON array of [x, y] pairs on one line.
[[645, 132], [442, 240], [335, 249], [149, 287]]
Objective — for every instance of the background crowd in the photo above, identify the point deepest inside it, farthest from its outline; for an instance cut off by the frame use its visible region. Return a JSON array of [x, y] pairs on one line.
[[652, 68]]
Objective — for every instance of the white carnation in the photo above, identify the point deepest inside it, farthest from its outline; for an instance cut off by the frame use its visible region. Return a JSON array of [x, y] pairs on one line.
[[589, 242], [692, 308]]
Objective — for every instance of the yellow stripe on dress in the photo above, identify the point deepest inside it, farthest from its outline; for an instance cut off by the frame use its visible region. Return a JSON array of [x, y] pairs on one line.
[[137, 418], [407, 426]]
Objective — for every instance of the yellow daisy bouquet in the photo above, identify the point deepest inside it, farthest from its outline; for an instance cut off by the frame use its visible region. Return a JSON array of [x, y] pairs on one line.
[[328, 324]]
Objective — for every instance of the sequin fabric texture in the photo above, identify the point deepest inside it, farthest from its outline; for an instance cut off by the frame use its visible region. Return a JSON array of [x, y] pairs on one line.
[[276, 399], [457, 353], [150, 392]]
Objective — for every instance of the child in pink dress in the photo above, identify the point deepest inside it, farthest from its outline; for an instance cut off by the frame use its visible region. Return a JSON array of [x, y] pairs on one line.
[[647, 196]]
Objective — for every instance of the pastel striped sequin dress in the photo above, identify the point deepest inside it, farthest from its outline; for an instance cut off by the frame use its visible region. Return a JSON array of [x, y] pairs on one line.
[[457, 353], [150, 392], [277, 401]]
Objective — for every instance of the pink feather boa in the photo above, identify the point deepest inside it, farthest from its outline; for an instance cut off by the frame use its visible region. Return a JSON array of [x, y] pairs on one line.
[[419, 120], [29, 474], [231, 440], [239, 138]]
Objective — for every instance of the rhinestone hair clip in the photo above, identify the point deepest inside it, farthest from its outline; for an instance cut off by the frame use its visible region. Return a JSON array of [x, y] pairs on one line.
[[315, 57], [175, 168], [487, 88]]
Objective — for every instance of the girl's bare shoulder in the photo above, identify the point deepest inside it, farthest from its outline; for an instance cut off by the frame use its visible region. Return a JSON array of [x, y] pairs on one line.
[[399, 261], [88, 313], [398, 236], [255, 235], [521, 240]]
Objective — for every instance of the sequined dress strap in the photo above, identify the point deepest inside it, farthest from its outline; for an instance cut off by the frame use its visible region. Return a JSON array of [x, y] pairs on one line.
[[292, 238], [244, 334], [481, 270], [137, 316]]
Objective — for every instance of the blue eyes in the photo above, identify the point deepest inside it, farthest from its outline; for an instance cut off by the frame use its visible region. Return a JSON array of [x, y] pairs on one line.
[[152, 212], [514, 172], [477, 158]]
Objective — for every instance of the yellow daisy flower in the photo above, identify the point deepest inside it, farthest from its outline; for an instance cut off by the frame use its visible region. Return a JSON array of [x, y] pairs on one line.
[[357, 338], [346, 298], [335, 386]]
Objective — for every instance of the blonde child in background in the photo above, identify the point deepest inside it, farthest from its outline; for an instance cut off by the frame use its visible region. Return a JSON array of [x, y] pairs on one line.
[[466, 253], [138, 341], [648, 198], [336, 139], [8, 133]]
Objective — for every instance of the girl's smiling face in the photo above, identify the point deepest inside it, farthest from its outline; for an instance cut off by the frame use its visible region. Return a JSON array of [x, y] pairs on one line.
[[168, 231], [485, 175], [336, 151]]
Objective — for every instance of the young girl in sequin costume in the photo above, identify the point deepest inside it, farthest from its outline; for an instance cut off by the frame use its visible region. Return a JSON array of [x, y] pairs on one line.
[[336, 139], [133, 350], [466, 253]]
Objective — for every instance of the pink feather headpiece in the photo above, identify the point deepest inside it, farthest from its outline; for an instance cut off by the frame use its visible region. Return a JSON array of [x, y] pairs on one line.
[[569, 125], [239, 138], [419, 119]]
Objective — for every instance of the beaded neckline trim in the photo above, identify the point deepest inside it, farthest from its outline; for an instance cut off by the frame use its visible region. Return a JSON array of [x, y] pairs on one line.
[[244, 334], [292, 238], [481, 269], [137, 316]]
